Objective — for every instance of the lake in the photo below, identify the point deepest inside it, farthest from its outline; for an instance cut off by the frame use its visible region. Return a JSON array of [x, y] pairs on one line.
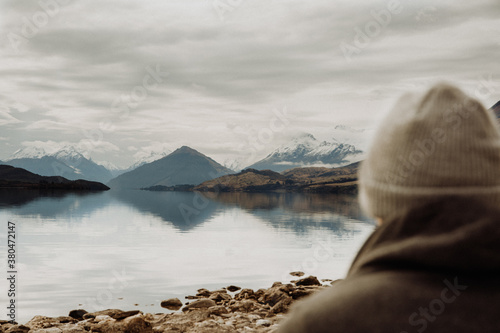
[[132, 249]]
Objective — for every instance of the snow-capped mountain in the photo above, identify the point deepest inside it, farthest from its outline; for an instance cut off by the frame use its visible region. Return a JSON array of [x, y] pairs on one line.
[[496, 109], [28, 152], [306, 150], [148, 158], [233, 164], [68, 153], [110, 166], [113, 169], [67, 162]]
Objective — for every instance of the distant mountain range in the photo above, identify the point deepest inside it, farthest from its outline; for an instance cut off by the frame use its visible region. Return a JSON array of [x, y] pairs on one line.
[[183, 166], [12, 177], [186, 166], [306, 150], [67, 162]]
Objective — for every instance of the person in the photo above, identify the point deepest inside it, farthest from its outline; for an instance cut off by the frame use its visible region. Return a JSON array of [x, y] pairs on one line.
[[432, 179]]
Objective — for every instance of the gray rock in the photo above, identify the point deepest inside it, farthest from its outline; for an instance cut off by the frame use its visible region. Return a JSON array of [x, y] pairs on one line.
[[108, 312], [281, 307], [203, 292], [220, 297], [245, 294], [301, 292], [18, 329], [199, 304], [77, 314], [232, 288], [171, 304], [125, 314], [243, 306], [218, 310], [308, 281]]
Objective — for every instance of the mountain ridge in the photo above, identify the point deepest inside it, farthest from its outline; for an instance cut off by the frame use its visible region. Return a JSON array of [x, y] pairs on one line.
[[67, 162], [305, 150], [341, 180], [183, 166], [496, 109], [12, 177]]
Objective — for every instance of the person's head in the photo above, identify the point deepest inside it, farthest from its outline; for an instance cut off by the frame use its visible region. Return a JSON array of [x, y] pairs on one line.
[[431, 146]]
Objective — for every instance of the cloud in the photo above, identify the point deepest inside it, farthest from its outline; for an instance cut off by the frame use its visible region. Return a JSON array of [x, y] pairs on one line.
[[49, 147], [96, 146], [47, 125], [154, 148], [64, 80], [6, 118]]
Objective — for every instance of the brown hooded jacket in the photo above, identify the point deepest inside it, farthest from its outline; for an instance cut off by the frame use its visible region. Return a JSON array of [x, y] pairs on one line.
[[436, 269]]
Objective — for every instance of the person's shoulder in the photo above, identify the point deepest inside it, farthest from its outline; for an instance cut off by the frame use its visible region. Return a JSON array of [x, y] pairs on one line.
[[360, 304]]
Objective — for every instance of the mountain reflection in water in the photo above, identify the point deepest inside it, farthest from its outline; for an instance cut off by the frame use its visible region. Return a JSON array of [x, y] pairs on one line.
[[169, 244]]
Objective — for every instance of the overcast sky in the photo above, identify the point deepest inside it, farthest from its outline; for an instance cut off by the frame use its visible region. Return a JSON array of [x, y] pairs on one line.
[[121, 78]]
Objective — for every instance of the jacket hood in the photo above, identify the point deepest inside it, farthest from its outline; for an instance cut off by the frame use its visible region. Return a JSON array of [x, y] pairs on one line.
[[449, 235]]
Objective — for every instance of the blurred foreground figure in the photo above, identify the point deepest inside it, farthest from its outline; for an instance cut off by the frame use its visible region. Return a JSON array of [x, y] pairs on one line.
[[432, 177]]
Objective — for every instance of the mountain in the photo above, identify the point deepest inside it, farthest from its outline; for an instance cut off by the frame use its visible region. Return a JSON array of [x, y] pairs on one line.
[[496, 108], [183, 166], [148, 158], [247, 180], [306, 150], [86, 168], [46, 166], [11, 177], [66, 162], [312, 179], [113, 169], [232, 164], [28, 152]]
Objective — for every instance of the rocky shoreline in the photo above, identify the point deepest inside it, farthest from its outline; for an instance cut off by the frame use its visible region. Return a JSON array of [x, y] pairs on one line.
[[230, 309]]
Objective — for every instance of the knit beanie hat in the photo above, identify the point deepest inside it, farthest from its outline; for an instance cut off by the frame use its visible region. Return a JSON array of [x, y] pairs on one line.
[[441, 144]]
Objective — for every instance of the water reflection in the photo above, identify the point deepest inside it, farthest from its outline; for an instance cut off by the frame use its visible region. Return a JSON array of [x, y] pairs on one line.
[[346, 205], [20, 197], [184, 210], [50, 204], [297, 211], [187, 210], [169, 244]]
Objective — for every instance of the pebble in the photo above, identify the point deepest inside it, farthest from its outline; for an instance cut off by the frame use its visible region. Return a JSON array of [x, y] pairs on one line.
[[211, 311]]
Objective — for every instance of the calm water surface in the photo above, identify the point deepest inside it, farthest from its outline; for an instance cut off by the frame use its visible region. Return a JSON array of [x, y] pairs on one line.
[[132, 249]]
